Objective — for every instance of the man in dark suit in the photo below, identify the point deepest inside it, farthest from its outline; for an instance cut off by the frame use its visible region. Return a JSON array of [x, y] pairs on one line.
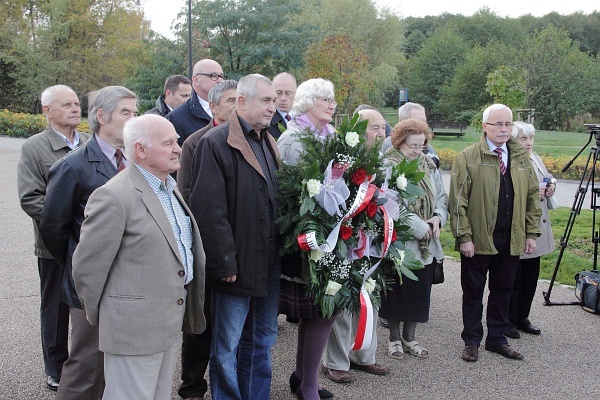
[[494, 214], [72, 180], [177, 90], [284, 84], [195, 113], [139, 266], [63, 113]]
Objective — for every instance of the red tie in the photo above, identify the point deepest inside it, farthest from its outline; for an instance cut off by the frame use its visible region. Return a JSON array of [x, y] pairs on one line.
[[120, 164], [498, 151], [287, 117]]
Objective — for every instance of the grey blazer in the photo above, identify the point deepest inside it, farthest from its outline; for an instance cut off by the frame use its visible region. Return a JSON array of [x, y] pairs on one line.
[[128, 272]]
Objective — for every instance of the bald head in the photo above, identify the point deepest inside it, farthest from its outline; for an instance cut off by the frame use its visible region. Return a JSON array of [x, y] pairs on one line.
[[375, 127], [207, 73], [284, 84]]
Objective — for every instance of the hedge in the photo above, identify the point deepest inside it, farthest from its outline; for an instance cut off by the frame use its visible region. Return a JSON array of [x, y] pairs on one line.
[[553, 164], [26, 125]]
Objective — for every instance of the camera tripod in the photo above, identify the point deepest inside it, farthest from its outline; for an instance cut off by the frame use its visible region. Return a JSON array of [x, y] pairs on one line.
[[588, 176]]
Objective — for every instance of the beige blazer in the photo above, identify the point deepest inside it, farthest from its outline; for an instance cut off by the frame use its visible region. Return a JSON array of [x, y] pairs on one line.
[[128, 272]]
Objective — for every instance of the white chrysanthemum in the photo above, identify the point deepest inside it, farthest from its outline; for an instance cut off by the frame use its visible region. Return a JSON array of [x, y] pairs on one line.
[[352, 139], [332, 288], [370, 285], [315, 255], [401, 182], [313, 186]]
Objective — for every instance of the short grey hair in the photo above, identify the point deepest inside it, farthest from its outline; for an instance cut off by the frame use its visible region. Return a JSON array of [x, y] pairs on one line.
[[215, 94], [522, 128], [308, 92], [407, 108], [494, 107], [138, 130], [50, 94], [364, 107], [106, 99], [247, 85]]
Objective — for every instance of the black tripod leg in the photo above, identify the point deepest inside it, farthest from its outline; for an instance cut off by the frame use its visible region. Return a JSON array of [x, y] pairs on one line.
[[576, 210]]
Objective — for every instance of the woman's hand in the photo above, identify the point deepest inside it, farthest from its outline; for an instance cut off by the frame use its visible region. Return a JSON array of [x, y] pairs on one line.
[[434, 222], [550, 190]]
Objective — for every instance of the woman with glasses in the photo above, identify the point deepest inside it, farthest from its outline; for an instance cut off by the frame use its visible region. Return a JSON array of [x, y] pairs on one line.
[[409, 301], [529, 264], [313, 110]]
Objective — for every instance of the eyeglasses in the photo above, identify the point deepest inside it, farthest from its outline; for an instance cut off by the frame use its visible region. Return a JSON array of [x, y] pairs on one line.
[[330, 101], [499, 125], [212, 75], [415, 147]]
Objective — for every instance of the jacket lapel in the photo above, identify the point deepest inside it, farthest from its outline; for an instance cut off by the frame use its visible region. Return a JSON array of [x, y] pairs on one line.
[[154, 207], [96, 156]]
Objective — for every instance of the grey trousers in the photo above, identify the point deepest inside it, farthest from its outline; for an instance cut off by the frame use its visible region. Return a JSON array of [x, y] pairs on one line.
[[338, 353], [83, 373]]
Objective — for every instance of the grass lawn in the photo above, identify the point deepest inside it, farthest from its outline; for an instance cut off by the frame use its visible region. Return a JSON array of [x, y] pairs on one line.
[[578, 255]]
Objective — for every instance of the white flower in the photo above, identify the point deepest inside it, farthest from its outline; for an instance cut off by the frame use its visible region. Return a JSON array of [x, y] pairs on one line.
[[315, 255], [332, 288], [313, 186], [352, 139], [400, 260], [370, 285], [401, 182]]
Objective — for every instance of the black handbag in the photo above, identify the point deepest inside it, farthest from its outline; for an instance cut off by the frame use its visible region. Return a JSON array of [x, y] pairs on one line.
[[438, 271]]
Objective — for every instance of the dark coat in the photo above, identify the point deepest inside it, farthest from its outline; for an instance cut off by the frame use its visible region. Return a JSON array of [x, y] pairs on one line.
[[161, 107], [71, 182], [188, 118], [230, 201], [274, 127], [186, 160]]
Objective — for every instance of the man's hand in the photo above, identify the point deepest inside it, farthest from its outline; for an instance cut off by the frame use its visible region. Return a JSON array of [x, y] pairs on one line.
[[467, 249], [229, 279], [435, 226], [530, 245]]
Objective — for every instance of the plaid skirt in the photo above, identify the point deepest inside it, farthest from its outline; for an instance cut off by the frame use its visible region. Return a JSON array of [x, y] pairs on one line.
[[294, 302]]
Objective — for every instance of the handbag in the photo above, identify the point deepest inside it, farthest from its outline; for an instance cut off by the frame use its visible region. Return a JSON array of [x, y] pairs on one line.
[[438, 271]]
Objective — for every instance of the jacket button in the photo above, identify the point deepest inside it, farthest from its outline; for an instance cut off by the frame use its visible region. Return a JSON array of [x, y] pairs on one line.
[[226, 258], [181, 273], [544, 221], [179, 302]]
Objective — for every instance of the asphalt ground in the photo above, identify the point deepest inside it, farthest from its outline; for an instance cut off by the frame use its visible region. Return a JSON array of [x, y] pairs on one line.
[[561, 363]]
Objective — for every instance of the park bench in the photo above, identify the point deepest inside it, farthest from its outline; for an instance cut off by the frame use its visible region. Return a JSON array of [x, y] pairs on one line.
[[445, 128]]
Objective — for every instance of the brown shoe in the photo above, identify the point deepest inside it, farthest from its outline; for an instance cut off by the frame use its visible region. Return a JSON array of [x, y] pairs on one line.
[[337, 375], [375, 369], [470, 353], [504, 350]]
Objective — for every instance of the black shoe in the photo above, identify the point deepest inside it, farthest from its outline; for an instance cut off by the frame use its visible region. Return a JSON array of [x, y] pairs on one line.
[[52, 383], [504, 350], [527, 327], [384, 322], [295, 388], [513, 333]]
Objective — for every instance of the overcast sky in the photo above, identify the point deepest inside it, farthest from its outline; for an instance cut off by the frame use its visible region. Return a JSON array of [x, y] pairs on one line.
[[161, 13]]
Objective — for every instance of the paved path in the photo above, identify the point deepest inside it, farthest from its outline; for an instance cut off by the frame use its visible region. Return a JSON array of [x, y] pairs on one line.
[[562, 363]]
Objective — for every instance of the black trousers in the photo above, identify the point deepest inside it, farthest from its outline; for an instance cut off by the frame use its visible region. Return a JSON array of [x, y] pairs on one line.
[[54, 318], [195, 355], [502, 268], [524, 290]]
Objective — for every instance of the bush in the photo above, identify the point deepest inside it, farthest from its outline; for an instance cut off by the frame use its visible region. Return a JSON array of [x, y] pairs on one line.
[[26, 125]]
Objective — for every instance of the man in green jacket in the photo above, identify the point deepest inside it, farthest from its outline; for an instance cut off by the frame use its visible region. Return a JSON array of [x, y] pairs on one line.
[[494, 214]]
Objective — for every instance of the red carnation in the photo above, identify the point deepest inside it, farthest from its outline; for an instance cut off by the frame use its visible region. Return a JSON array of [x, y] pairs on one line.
[[394, 236], [371, 209], [345, 232], [359, 176]]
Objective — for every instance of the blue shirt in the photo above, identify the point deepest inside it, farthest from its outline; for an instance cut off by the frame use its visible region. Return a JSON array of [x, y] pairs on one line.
[[180, 222]]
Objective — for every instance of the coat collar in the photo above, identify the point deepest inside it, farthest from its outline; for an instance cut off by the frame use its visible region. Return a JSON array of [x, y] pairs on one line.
[[237, 140], [96, 156]]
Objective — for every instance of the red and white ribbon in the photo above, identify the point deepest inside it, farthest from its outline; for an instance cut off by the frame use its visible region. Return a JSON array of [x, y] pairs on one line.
[[364, 331]]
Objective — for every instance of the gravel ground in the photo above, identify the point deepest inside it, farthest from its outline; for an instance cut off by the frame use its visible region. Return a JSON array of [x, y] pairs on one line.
[[561, 363]]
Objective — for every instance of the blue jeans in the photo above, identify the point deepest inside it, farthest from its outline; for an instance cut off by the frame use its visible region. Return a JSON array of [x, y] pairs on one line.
[[244, 330]]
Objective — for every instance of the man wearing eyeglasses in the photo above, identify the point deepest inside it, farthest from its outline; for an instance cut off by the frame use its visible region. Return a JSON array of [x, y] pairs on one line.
[[195, 113], [285, 89], [494, 214]]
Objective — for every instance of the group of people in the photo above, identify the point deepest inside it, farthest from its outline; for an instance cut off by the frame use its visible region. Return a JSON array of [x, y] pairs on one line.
[[157, 233]]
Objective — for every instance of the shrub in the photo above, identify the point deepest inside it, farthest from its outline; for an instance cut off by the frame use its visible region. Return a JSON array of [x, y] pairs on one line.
[[26, 125]]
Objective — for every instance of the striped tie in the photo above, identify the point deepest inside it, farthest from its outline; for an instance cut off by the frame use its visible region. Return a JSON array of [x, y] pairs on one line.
[[498, 151], [120, 164]]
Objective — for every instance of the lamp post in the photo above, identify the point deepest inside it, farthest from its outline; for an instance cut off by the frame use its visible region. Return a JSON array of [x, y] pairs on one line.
[[190, 38]]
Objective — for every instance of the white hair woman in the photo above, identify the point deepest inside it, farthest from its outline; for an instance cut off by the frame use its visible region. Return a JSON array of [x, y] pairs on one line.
[[529, 264]]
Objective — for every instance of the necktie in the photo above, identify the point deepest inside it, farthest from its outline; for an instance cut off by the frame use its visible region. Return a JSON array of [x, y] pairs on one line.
[[287, 117], [498, 151], [120, 164]]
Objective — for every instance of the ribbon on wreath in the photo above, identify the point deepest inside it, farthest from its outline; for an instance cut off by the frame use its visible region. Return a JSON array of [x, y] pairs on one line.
[[364, 330]]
